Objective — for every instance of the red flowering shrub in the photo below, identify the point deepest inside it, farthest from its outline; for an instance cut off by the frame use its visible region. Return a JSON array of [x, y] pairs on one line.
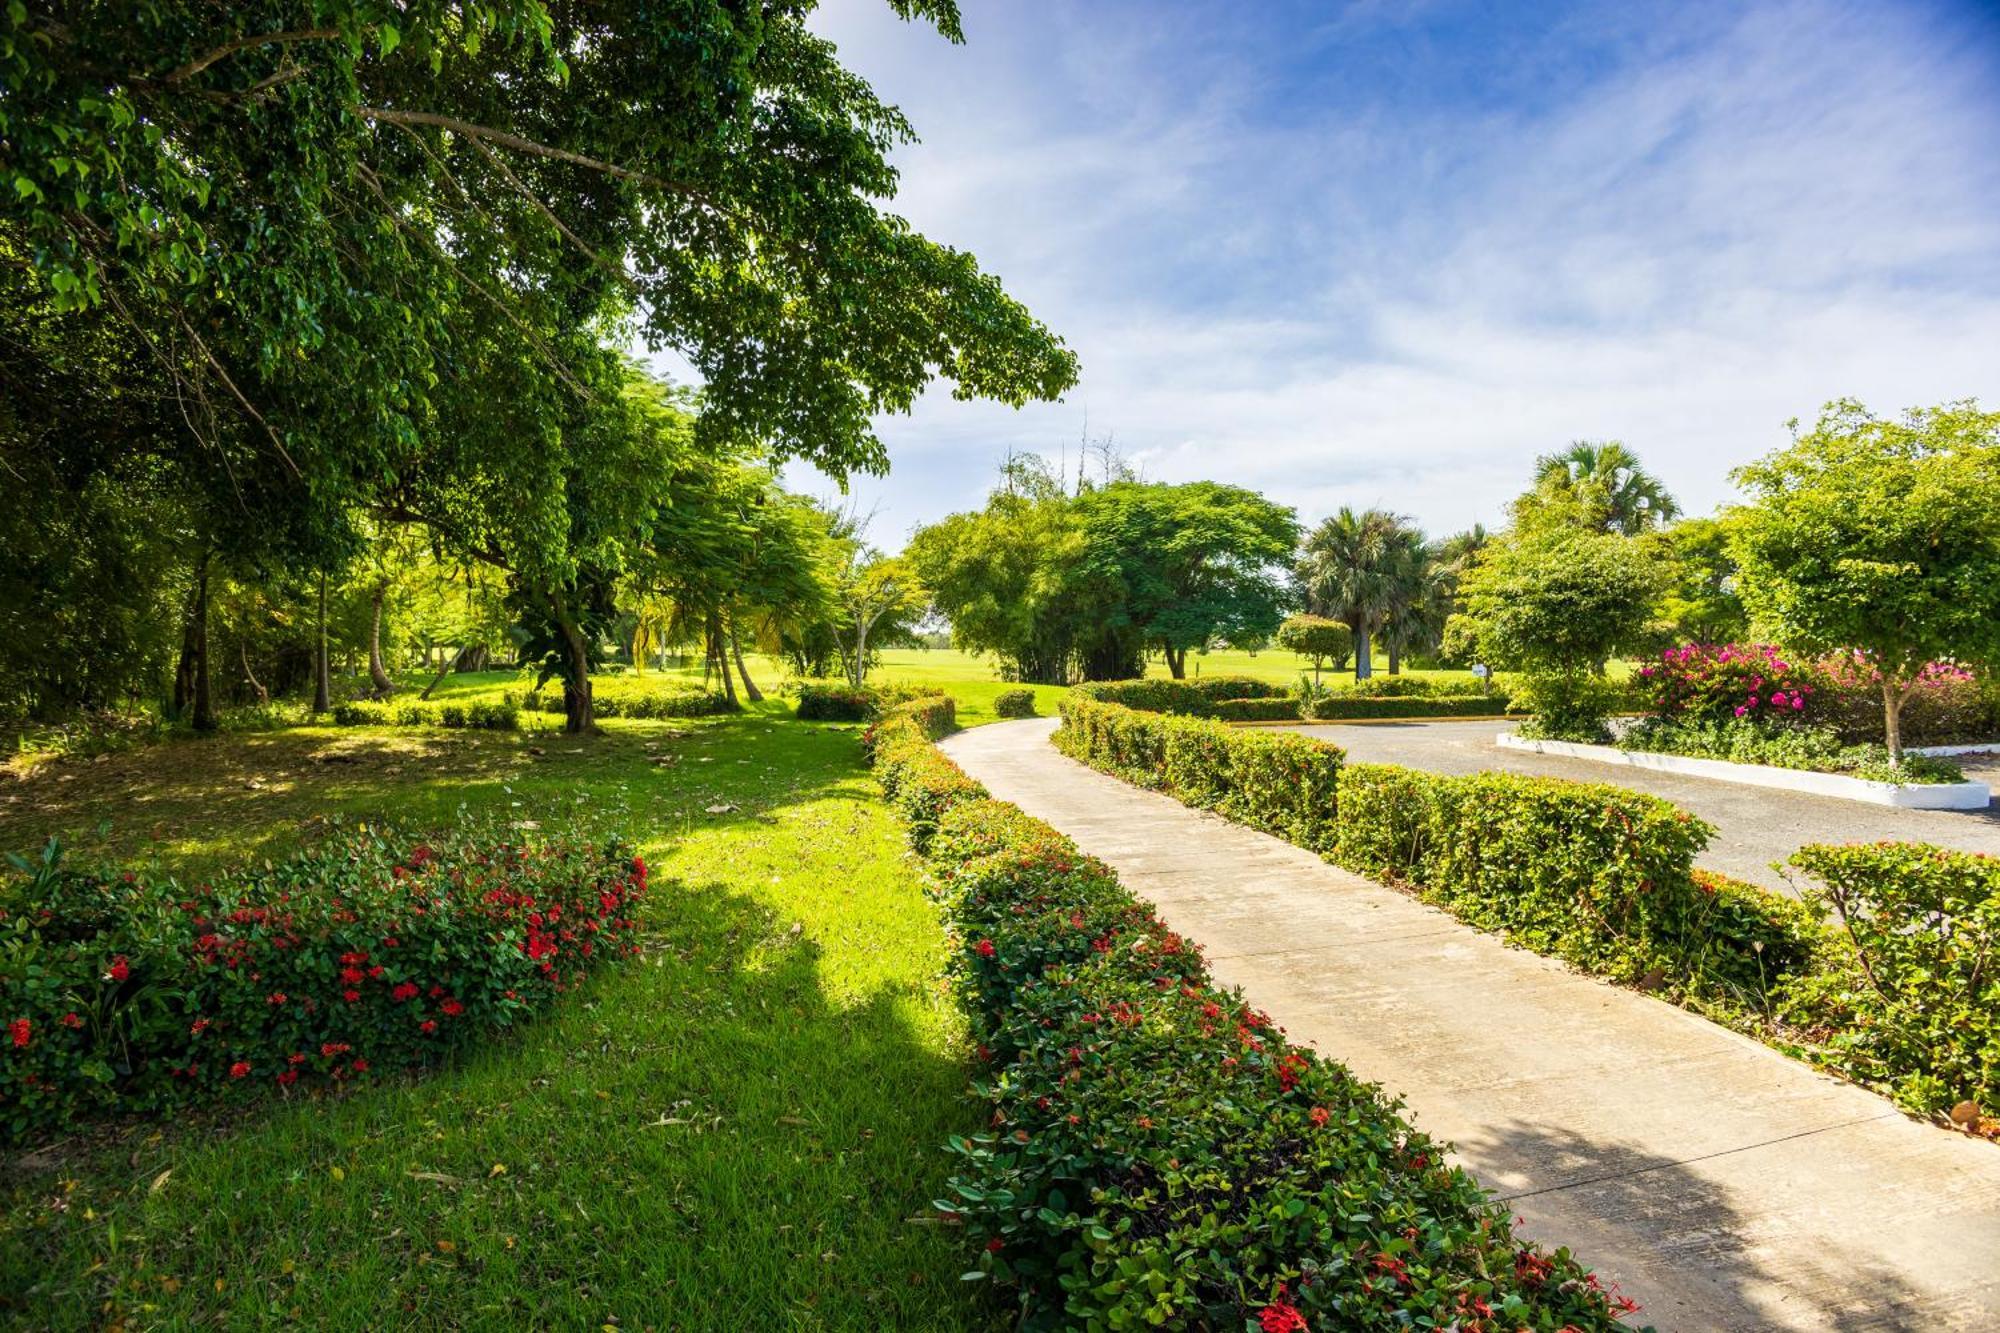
[[1158, 1153], [1708, 682], [370, 950]]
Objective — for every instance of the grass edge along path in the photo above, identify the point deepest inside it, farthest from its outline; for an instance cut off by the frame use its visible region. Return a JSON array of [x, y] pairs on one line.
[[1159, 1153]]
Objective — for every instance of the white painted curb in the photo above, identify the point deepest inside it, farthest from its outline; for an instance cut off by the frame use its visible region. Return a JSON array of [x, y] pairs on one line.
[[1916, 796], [1983, 747]]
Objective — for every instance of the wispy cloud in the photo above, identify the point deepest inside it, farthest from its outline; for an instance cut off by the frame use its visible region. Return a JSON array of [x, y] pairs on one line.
[[1391, 257]]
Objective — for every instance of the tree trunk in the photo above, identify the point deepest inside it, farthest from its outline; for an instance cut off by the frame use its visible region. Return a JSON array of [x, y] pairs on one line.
[[243, 655], [322, 668], [1395, 658], [579, 710], [1892, 720], [858, 669], [384, 687], [1316, 662], [1176, 662], [750, 690], [436, 680], [1363, 667], [204, 702], [718, 656]]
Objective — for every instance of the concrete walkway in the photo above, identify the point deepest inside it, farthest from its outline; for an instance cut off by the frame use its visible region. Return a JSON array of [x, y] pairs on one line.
[[1722, 1185], [1754, 826]]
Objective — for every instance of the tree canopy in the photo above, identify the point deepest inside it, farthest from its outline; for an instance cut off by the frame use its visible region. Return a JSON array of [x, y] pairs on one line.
[[1880, 537]]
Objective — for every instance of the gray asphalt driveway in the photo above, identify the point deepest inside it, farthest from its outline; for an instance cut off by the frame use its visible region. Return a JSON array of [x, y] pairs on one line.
[[1754, 826]]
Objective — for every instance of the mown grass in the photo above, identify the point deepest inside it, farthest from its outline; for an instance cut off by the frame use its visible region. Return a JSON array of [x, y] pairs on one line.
[[736, 1131]]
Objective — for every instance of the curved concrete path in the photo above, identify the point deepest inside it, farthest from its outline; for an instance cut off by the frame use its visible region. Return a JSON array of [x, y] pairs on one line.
[[1722, 1185], [1754, 826]]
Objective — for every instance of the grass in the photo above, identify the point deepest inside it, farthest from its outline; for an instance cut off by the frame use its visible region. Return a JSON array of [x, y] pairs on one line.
[[734, 1131]]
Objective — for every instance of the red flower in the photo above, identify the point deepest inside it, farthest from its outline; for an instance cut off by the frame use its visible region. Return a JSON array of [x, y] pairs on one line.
[[70, 1020], [428, 1025], [406, 991], [199, 1026], [350, 995], [1279, 1317], [240, 1069], [23, 1031], [360, 1066], [289, 1077], [332, 1048], [120, 968], [277, 998], [995, 1245], [985, 948], [452, 1008], [1320, 1115]]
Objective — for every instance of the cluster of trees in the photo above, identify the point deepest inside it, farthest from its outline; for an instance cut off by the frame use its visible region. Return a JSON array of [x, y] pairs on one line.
[[1063, 581], [292, 296], [1864, 535]]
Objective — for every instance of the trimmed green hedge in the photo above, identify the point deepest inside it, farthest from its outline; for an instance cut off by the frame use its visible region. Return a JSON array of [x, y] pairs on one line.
[[1158, 1153], [1903, 995], [1241, 699], [1342, 707], [839, 701], [657, 704], [1193, 697], [478, 716], [1014, 703]]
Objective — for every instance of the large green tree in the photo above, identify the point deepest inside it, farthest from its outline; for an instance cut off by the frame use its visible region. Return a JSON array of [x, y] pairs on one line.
[[1190, 563], [1358, 567], [1880, 537], [382, 246]]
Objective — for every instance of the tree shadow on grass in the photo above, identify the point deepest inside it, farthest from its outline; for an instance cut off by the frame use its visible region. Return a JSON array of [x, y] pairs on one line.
[[1674, 1240], [742, 1129]]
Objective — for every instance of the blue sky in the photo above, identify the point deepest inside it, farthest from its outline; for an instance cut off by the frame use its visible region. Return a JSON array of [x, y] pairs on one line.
[[1386, 253]]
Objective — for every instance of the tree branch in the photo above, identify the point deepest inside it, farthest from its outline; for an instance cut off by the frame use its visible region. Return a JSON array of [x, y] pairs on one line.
[[230, 48]]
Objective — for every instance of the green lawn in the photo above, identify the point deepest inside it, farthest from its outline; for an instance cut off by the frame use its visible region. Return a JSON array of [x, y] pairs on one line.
[[734, 1132]]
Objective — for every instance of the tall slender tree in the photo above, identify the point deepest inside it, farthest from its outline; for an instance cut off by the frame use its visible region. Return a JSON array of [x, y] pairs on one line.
[[1352, 568]]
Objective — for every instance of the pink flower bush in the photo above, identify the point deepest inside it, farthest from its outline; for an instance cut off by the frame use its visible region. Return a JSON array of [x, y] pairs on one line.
[[1703, 681]]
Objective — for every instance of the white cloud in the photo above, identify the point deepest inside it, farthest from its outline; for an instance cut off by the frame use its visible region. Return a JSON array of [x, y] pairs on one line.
[[1366, 298]]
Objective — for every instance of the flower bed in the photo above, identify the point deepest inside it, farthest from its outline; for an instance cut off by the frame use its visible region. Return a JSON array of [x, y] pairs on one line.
[[1158, 1153], [369, 952]]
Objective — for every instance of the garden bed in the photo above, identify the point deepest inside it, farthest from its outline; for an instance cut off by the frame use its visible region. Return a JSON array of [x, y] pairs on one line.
[[1905, 796]]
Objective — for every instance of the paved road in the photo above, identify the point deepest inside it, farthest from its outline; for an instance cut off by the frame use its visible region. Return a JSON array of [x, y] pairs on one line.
[[1754, 826], [1724, 1186]]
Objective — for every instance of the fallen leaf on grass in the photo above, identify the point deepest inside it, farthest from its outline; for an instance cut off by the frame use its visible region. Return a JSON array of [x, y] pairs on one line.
[[722, 808]]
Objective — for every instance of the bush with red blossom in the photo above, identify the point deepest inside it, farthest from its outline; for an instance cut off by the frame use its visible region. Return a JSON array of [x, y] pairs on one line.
[[1157, 1153], [370, 951]]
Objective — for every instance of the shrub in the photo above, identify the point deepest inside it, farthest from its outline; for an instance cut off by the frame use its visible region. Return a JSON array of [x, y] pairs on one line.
[[1338, 707], [1014, 703], [1947, 704], [918, 781], [484, 716], [1815, 748], [1255, 710], [1324, 641], [1159, 1154], [1194, 697], [1567, 705], [1721, 682], [1281, 783], [652, 704], [838, 701], [370, 952], [1909, 993]]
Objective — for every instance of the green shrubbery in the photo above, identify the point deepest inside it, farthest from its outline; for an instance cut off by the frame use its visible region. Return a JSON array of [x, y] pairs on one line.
[[1241, 699], [1912, 982], [1014, 703], [1814, 748], [370, 952], [838, 701], [1196, 698], [483, 715], [1603, 878], [652, 704], [1159, 1154]]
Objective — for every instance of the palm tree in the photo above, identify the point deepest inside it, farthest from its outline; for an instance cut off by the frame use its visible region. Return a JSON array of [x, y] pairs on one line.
[[1603, 482], [1352, 568]]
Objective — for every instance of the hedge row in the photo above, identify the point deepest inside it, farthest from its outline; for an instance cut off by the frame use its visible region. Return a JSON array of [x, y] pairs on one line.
[[659, 704], [1901, 992], [1158, 1153], [1196, 698], [480, 716], [367, 953], [1241, 699], [838, 701]]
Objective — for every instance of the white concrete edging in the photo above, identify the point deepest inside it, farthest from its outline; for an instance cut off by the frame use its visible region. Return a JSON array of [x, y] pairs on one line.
[[1980, 747], [1915, 796]]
